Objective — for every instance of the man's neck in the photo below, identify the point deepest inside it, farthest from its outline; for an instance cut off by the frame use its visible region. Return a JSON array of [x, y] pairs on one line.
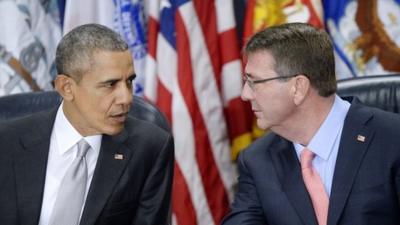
[[307, 119]]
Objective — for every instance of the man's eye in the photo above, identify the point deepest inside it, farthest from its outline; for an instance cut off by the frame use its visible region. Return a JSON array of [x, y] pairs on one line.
[[130, 82], [109, 84]]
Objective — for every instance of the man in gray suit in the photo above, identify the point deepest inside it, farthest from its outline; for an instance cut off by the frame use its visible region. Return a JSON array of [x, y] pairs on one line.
[[326, 160], [86, 162]]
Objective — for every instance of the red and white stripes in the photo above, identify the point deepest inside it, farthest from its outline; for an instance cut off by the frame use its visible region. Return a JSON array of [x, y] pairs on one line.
[[193, 75]]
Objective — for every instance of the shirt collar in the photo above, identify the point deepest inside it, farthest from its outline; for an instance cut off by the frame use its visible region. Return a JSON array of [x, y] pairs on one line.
[[67, 136], [323, 141]]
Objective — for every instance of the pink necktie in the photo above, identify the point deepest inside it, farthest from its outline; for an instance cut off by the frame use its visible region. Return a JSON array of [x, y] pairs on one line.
[[314, 186]]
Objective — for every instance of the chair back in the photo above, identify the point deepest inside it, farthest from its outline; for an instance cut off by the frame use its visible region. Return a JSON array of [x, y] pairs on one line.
[[19, 105], [381, 91]]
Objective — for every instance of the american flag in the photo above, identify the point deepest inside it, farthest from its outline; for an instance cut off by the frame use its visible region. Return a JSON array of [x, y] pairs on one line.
[[193, 73]]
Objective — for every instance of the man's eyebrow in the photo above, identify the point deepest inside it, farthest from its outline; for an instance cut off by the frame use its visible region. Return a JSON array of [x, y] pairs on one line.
[[132, 77], [109, 81]]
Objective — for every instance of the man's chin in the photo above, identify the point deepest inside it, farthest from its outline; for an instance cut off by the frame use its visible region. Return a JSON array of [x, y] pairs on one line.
[[262, 124], [115, 130]]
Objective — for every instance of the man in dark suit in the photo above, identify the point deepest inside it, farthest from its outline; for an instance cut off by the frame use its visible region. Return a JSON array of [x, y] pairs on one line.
[[86, 162], [326, 160]]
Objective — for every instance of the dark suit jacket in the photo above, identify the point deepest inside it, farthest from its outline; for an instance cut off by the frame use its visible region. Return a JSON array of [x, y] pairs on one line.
[[366, 182], [135, 190]]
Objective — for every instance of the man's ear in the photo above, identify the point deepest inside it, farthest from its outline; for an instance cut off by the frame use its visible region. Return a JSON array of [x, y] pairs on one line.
[[301, 88], [64, 85]]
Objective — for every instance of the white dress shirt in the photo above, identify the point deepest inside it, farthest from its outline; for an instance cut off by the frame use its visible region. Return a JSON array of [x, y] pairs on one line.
[[62, 152], [325, 143]]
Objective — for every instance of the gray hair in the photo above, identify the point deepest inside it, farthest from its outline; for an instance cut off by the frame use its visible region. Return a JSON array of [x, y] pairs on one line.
[[74, 55], [299, 48]]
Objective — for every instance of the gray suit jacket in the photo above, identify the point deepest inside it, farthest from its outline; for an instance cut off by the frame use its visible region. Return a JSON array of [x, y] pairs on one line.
[[135, 190], [366, 182]]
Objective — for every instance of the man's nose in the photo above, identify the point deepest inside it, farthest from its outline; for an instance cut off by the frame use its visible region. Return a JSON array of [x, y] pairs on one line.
[[247, 93], [125, 95]]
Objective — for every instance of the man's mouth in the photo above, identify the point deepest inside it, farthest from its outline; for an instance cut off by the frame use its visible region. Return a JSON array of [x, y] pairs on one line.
[[121, 117], [256, 112]]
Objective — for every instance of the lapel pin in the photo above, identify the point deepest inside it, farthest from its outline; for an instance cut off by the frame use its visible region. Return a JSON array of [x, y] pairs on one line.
[[360, 138], [119, 156]]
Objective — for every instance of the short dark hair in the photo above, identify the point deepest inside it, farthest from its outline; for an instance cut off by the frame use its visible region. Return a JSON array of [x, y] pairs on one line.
[[299, 48], [74, 55]]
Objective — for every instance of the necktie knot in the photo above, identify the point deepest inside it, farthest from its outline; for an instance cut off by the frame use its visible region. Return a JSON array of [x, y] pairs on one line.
[[306, 158], [83, 148]]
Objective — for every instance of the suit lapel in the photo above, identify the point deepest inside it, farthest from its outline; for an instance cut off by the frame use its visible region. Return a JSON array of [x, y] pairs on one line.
[[107, 173], [30, 167], [289, 174], [355, 140]]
